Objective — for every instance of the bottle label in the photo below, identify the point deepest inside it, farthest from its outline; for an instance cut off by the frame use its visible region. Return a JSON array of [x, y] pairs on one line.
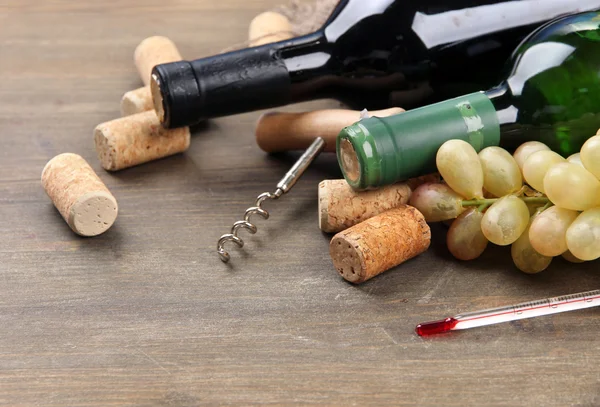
[[474, 124], [460, 25]]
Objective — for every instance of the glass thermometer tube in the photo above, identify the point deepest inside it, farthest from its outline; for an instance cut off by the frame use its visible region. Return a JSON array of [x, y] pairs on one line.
[[523, 310]]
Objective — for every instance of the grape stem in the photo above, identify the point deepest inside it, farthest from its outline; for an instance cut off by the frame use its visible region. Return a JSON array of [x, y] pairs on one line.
[[521, 191], [483, 207], [490, 201]]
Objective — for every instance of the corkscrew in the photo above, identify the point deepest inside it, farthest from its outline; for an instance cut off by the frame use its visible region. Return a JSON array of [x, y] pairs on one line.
[[284, 185]]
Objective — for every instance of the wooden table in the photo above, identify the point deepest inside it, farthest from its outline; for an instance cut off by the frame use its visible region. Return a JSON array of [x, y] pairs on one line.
[[147, 314]]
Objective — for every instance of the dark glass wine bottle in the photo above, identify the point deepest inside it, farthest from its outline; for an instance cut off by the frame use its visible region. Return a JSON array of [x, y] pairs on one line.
[[551, 94], [369, 54]]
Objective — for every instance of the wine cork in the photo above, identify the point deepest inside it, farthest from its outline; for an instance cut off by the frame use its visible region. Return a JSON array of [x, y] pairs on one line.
[[341, 207], [276, 131], [150, 52], [379, 243], [79, 194], [136, 101], [269, 27], [136, 139], [154, 51]]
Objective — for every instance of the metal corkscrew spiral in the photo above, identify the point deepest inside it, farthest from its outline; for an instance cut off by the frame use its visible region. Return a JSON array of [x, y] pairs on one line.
[[284, 185]]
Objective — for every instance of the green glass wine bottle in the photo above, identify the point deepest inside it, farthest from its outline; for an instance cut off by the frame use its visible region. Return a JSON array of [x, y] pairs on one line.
[[551, 94]]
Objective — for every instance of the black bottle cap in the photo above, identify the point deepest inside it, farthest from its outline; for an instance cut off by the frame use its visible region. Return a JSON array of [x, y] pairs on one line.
[[178, 100], [186, 93]]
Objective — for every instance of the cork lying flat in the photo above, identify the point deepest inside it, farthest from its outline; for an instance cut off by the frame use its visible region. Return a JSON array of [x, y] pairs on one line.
[[379, 243], [340, 207], [93, 213], [79, 194], [136, 139]]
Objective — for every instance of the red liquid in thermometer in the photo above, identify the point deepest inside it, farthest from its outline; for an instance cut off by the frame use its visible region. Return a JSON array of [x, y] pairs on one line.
[[436, 327], [523, 310]]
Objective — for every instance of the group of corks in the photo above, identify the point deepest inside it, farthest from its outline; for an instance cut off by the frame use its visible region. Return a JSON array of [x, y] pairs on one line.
[[376, 230], [78, 193]]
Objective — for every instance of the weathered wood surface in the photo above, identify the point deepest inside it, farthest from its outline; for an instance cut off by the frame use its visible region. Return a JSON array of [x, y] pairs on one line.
[[146, 314]]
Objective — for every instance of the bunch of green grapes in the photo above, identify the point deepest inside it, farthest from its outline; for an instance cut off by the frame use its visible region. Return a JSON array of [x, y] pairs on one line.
[[535, 200]]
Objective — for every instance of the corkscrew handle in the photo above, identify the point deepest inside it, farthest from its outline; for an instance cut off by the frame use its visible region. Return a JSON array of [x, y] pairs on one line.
[[293, 175]]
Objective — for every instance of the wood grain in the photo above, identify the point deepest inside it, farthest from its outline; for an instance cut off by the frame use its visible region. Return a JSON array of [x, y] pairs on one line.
[[147, 315]]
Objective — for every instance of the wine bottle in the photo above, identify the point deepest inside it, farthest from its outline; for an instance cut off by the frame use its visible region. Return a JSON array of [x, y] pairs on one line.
[[551, 95], [369, 54]]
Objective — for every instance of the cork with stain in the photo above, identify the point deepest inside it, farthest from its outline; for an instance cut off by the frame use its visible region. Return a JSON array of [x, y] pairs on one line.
[[80, 196], [379, 243], [136, 139]]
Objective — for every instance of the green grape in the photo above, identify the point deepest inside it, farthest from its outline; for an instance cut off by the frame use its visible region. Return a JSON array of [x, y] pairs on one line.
[[437, 202], [458, 164], [583, 236], [505, 220], [590, 155], [568, 256], [536, 165], [575, 159], [465, 240], [547, 232], [501, 174], [525, 150], [571, 186], [526, 258]]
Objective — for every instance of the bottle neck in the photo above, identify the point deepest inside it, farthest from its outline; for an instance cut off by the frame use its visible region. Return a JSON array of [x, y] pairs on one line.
[[512, 129], [308, 60], [317, 71], [503, 102]]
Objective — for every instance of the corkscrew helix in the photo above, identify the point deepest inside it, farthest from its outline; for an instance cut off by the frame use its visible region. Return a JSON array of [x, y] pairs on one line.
[[284, 185]]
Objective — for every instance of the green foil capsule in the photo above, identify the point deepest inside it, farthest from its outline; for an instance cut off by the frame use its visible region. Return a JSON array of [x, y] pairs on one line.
[[380, 151]]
